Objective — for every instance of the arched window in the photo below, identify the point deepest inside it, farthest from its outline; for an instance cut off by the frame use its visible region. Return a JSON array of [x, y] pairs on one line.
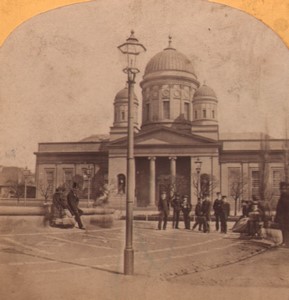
[[121, 184]]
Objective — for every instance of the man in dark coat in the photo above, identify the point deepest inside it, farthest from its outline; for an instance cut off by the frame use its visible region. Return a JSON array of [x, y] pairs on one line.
[[199, 219], [186, 209], [225, 212], [72, 201], [206, 210], [176, 204], [164, 210], [282, 212], [217, 207]]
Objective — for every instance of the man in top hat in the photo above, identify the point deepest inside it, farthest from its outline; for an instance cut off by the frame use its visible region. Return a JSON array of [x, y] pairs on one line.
[[164, 210], [282, 212], [176, 204], [186, 209], [225, 212], [72, 201], [206, 210], [217, 207]]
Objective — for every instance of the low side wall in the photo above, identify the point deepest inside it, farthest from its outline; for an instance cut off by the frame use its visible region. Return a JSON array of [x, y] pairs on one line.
[[44, 209]]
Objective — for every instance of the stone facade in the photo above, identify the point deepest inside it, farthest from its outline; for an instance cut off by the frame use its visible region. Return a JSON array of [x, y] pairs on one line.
[[179, 126]]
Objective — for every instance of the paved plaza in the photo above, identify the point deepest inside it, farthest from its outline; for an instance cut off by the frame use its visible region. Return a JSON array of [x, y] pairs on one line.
[[53, 263]]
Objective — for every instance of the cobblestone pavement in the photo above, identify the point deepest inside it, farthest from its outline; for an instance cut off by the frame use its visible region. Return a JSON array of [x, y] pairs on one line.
[[49, 256]]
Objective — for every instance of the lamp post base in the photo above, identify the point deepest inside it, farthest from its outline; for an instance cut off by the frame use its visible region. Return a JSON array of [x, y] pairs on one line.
[[128, 261]]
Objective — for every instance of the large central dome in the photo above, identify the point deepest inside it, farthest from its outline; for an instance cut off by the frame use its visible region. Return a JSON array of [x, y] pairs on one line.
[[169, 60]]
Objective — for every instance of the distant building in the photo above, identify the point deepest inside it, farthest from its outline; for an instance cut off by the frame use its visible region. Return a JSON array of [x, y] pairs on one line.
[[12, 183], [179, 125]]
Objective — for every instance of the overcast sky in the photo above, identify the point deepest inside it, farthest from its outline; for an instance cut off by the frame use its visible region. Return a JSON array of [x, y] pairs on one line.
[[60, 71]]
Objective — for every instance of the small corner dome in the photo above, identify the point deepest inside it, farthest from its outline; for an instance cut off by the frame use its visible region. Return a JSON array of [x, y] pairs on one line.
[[122, 96], [169, 60], [205, 92]]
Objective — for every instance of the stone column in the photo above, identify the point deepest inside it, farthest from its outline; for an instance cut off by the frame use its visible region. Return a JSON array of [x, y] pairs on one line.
[[193, 182], [152, 194], [173, 168]]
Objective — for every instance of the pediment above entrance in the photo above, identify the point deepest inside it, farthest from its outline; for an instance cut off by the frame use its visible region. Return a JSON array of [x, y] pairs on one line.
[[166, 136]]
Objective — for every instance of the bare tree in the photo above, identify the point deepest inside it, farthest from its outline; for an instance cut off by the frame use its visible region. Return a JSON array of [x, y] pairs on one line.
[[45, 190], [16, 189], [237, 186], [204, 184], [178, 183]]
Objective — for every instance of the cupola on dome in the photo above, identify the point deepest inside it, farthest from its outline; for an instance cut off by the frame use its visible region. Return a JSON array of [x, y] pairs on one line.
[[122, 96], [205, 92], [169, 60]]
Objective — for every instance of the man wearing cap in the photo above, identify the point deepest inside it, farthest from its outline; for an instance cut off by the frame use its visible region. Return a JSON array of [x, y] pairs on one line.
[[282, 212], [217, 207], [72, 201], [176, 204], [163, 207]]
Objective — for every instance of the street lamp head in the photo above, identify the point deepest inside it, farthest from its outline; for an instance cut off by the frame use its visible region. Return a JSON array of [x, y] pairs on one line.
[[131, 49], [26, 172], [88, 171], [198, 163]]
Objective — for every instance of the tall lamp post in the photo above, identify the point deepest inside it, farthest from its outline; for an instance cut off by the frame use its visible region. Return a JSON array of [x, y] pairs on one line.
[[131, 49], [198, 163], [26, 173], [88, 173]]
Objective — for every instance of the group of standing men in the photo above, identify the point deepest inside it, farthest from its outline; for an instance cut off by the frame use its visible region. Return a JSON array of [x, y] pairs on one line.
[[202, 211], [221, 210], [179, 204]]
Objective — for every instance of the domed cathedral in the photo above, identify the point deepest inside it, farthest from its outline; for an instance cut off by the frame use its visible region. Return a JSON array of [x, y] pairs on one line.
[[176, 146], [179, 125]]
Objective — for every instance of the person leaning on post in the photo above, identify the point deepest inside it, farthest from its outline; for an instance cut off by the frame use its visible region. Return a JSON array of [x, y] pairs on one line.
[[164, 210], [72, 201]]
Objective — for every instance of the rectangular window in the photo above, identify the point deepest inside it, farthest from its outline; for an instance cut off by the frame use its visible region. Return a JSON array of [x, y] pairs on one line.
[[187, 111], [147, 117], [213, 114], [235, 182], [50, 181], [255, 183], [277, 177], [122, 116], [196, 114], [204, 113], [166, 109], [68, 176]]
